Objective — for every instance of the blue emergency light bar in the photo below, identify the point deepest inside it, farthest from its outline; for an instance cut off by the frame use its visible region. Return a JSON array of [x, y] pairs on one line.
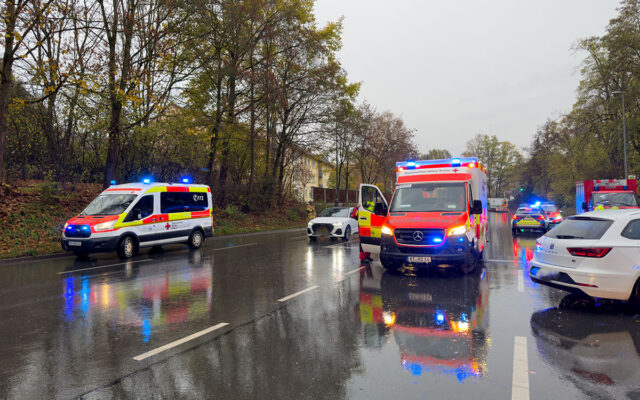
[[113, 182], [186, 180], [452, 162], [146, 180]]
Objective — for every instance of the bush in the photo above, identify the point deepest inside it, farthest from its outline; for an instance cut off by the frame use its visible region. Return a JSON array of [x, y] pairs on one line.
[[233, 212]]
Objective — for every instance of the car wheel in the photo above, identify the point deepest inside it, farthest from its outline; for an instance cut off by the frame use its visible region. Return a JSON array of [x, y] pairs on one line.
[[127, 247], [514, 231], [347, 234], [195, 239], [635, 295], [576, 301]]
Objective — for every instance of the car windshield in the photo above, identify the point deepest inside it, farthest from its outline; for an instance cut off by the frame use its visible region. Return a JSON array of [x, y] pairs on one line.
[[109, 204], [549, 208], [426, 197], [335, 212], [580, 228], [621, 199]]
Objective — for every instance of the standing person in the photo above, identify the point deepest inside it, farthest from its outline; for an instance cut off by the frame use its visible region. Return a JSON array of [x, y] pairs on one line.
[[364, 256], [311, 211]]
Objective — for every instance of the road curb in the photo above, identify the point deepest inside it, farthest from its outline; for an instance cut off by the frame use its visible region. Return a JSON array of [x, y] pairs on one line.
[[54, 256]]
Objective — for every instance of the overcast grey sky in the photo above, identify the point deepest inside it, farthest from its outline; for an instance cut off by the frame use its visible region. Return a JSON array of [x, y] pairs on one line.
[[452, 69]]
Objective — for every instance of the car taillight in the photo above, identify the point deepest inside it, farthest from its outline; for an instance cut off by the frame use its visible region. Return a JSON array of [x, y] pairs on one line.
[[515, 217], [594, 252], [540, 217]]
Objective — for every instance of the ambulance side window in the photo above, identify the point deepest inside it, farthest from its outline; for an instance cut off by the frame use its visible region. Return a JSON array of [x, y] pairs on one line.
[[470, 198], [369, 198], [142, 209]]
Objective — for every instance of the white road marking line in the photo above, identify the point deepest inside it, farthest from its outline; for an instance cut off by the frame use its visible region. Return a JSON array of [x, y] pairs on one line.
[[102, 266], [504, 261], [291, 296], [520, 381], [235, 246], [348, 273], [341, 245], [178, 342], [520, 281]]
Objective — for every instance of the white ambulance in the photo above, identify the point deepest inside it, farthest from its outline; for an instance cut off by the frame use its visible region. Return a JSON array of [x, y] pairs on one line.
[[129, 216]]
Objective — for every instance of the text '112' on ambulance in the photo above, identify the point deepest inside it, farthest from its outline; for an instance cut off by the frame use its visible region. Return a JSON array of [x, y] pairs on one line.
[[437, 215]]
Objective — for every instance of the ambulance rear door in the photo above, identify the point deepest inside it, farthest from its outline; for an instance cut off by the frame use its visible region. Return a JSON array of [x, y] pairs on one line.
[[372, 212]]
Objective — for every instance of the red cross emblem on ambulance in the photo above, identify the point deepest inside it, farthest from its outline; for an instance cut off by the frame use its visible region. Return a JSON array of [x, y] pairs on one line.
[[168, 225]]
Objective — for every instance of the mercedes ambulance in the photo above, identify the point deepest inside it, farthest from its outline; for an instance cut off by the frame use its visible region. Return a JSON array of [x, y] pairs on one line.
[[129, 216], [437, 215]]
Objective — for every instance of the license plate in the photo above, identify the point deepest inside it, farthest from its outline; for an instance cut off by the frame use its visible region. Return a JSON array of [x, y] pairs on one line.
[[528, 222], [70, 243], [419, 259]]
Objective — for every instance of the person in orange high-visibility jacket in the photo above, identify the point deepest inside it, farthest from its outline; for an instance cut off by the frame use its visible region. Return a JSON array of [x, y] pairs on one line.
[[364, 256]]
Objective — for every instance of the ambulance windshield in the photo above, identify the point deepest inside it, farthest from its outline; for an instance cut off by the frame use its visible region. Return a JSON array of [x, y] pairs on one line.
[[428, 197], [613, 199], [109, 204]]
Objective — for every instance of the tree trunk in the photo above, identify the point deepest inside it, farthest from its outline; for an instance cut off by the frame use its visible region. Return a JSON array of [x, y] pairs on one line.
[[6, 83]]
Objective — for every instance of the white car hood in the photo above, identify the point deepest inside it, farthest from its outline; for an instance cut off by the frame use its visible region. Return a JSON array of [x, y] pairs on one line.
[[330, 220]]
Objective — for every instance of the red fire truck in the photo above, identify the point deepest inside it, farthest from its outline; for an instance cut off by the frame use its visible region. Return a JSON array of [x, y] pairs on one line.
[[437, 215], [606, 193]]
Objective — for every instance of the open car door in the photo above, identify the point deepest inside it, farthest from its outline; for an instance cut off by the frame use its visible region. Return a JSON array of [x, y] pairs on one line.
[[372, 212]]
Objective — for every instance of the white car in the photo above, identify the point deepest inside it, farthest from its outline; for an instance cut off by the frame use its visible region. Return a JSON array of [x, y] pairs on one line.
[[596, 253], [335, 222]]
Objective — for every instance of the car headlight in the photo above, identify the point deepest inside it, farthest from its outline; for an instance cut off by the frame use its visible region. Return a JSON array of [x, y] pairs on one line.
[[338, 224], [104, 226], [458, 230], [65, 225], [387, 230]]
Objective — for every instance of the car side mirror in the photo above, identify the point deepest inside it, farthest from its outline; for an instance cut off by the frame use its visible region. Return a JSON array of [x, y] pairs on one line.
[[584, 206], [476, 207], [380, 209]]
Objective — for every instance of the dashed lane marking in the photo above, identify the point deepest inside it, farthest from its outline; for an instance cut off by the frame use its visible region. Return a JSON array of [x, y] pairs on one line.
[[103, 266], [234, 246], [179, 342], [520, 281], [291, 296], [349, 273], [520, 381]]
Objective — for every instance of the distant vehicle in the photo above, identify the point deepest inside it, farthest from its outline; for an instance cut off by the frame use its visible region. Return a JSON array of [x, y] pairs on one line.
[[336, 222], [438, 215], [595, 253], [498, 204], [606, 193], [552, 214], [529, 219], [126, 217]]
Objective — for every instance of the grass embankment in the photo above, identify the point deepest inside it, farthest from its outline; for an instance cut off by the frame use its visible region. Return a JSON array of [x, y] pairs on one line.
[[32, 214]]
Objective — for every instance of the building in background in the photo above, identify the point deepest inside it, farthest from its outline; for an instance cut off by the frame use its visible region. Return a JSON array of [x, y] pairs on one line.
[[310, 171]]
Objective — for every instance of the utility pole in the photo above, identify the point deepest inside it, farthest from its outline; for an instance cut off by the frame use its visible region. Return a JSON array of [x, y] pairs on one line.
[[624, 135], [337, 168]]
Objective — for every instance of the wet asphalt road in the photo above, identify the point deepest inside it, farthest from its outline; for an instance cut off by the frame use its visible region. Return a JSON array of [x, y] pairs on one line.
[[273, 316]]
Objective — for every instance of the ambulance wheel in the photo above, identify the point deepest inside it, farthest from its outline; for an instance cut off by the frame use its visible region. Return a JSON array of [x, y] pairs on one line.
[[347, 234], [469, 264], [514, 231], [81, 254], [127, 247], [390, 266], [195, 239]]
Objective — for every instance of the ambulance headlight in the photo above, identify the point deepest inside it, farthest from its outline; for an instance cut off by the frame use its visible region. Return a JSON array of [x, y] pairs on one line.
[[105, 226], [458, 230], [387, 230]]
